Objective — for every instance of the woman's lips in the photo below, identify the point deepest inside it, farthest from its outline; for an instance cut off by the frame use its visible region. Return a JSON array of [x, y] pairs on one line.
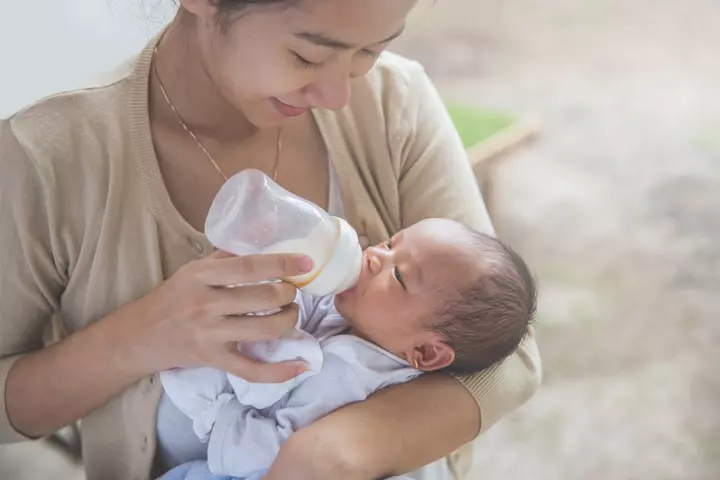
[[287, 110]]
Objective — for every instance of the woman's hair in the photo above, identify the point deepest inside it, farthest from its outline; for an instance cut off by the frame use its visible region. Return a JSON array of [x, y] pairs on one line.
[[234, 6], [228, 10], [240, 4]]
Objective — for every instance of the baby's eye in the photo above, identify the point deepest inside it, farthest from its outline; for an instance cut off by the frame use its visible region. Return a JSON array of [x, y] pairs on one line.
[[388, 244], [398, 277]]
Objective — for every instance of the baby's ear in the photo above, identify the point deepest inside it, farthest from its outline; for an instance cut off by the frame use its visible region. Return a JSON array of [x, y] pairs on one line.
[[432, 356]]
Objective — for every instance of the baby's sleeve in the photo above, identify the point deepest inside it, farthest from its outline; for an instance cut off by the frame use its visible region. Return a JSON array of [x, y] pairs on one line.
[[198, 393]]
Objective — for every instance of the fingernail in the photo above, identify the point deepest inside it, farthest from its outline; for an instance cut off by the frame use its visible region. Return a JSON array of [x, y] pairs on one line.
[[306, 264]]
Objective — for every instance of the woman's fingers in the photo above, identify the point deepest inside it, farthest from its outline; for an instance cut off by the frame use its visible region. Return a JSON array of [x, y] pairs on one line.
[[253, 328], [207, 304], [260, 372], [221, 270], [260, 297]]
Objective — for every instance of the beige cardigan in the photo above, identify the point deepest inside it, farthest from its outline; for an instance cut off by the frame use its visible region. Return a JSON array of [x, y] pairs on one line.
[[86, 224]]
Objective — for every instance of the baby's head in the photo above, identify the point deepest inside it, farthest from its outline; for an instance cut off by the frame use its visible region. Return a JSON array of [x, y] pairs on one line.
[[442, 296]]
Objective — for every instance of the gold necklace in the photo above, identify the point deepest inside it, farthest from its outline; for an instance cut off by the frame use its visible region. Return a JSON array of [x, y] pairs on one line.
[[197, 140]]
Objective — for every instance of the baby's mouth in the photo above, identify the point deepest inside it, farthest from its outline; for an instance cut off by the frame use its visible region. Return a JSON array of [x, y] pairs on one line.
[[365, 268], [346, 293]]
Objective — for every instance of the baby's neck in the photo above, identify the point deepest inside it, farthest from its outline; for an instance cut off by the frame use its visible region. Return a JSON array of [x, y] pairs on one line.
[[354, 332]]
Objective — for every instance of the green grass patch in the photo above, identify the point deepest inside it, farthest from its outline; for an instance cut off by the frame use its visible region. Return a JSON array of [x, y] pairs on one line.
[[476, 124]]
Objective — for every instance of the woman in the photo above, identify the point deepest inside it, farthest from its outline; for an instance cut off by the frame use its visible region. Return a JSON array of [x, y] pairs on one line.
[[103, 196]]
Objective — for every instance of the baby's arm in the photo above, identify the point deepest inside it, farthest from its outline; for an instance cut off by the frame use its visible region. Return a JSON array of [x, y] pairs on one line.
[[198, 393], [244, 441]]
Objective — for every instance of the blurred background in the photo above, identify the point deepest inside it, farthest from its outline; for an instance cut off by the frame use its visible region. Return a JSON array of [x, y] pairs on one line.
[[615, 203]]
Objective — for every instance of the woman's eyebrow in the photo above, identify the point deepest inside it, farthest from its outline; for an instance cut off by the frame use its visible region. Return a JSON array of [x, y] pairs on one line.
[[326, 41]]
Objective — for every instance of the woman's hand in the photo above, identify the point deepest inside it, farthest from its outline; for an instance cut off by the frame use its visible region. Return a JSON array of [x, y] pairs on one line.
[[190, 319], [196, 317]]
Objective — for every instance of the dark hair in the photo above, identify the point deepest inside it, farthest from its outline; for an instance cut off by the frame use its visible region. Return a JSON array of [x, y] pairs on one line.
[[226, 7], [229, 10], [487, 320]]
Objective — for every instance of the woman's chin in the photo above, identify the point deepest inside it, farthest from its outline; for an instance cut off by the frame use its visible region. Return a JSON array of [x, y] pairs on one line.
[[264, 114], [260, 114]]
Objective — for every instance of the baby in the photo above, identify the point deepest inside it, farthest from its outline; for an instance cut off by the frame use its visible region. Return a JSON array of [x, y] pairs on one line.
[[436, 297]]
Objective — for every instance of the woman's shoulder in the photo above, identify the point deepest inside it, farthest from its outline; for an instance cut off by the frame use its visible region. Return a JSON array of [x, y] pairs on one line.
[[381, 100], [64, 124], [390, 84], [395, 70], [70, 145]]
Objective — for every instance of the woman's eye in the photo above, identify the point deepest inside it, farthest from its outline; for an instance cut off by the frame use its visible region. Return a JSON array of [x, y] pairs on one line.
[[302, 62], [370, 54]]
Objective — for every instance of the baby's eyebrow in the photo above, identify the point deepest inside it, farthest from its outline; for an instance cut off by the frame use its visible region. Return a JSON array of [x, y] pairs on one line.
[[416, 271], [419, 275]]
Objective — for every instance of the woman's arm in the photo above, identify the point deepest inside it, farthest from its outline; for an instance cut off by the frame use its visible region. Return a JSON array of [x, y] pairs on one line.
[[183, 321], [395, 431], [50, 388], [436, 180], [31, 281], [176, 324]]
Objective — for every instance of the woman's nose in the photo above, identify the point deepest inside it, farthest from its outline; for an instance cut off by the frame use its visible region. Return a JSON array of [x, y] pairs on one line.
[[331, 92]]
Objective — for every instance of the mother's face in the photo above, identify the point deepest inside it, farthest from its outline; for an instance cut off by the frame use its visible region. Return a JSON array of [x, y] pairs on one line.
[[274, 62]]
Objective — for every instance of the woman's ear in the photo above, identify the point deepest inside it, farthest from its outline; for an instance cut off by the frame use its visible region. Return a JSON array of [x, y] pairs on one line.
[[432, 356]]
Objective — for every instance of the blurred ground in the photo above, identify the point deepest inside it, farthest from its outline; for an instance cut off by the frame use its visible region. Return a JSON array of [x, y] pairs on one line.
[[617, 207]]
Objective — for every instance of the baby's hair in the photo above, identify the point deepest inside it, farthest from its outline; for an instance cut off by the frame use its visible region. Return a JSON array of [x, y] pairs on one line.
[[485, 321]]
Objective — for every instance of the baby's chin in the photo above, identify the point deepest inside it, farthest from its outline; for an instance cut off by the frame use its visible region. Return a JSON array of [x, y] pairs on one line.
[[342, 307]]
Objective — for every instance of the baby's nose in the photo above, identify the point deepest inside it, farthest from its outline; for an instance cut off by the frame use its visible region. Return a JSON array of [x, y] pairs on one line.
[[374, 264]]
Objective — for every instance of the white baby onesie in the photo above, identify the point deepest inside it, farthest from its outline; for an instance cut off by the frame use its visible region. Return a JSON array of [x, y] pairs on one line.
[[247, 423]]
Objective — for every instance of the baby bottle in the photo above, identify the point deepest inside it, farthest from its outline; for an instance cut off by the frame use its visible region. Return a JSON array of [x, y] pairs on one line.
[[252, 214]]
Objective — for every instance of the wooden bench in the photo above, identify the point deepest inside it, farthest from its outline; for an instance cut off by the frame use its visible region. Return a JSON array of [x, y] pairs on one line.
[[488, 155]]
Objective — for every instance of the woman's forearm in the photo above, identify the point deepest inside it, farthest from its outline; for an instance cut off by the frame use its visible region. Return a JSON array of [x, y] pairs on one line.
[[395, 431], [184, 321], [60, 384]]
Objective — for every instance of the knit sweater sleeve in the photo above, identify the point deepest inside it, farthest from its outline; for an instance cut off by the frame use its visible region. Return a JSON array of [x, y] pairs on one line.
[[30, 282], [436, 181]]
